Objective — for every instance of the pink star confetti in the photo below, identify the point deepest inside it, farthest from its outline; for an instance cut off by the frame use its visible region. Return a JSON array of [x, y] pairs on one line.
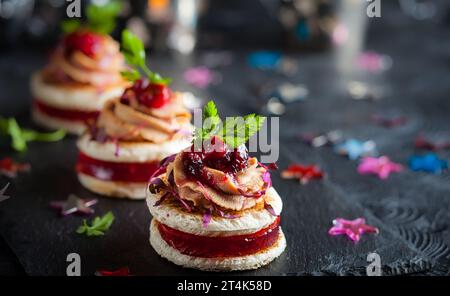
[[373, 62], [304, 173], [124, 271], [351, 228], [381, 166], [9, 168], [74, 204], [200, 77]]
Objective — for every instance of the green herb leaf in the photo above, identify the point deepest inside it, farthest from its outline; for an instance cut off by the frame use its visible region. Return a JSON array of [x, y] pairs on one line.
[[101, 18], [99, 225], [234, 131], [134, 51], [131, 75], [70, 25], [20, 137]]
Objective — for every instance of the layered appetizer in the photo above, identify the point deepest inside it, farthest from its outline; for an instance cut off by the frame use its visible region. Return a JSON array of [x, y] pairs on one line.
[[83, 73], [120, 151], [213, 206]]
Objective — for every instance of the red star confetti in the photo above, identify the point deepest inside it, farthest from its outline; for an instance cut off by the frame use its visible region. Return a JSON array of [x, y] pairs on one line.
[[380, 166], [9, 168], [304, 173], [124, 271], [4, 197], [423, 143], [389, 121], [351, 228], [74, 204]]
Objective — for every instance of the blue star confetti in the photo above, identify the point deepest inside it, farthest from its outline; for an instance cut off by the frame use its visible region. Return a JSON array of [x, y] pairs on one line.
[[429, 162], [264, 59], [354, 149]]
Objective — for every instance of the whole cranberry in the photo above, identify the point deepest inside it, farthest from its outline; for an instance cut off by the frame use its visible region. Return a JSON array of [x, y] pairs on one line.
[[151, 95], [86, 42], [161, 95]]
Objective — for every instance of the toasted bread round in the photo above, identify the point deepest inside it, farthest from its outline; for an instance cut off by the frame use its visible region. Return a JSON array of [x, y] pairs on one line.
[[253, 261], [113, 188], [78, 97], [249, 221], [53, 123], [130, 151]]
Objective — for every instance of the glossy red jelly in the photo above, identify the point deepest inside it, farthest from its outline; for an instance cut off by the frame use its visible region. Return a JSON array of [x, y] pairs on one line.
[[220, 247], [66, 114], [116, 171], [151, 95]]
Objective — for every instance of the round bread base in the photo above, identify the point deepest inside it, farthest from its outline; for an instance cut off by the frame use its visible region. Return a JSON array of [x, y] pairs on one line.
[[73, 127], [114, 189], [215, 264]]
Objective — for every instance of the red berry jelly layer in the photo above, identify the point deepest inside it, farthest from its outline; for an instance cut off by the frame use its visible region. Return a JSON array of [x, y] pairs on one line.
[[65, 114], [133, 172], [220, 246]]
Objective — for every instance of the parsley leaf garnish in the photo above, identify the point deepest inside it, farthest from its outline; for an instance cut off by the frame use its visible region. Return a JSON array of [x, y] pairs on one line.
[[99, 226], [100, 18], [134, 52], [234, 131], [21, 136]]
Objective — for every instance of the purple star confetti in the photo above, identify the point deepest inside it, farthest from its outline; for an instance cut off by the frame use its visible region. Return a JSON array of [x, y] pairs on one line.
[[74, 204], [353, 229], [215, 59], [381, 166], [4, 197], [200, 77]]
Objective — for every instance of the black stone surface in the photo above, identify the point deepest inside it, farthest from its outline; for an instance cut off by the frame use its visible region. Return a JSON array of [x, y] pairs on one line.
[[411, 209]]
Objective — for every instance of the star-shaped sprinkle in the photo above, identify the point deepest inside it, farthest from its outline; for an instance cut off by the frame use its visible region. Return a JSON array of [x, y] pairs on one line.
[[4, 197], [381, 166], [426, 144], [429, 162], [351, 228], [9, 168], [200, 77], [265, 60], [74, 204], [321, 139], [304, 173], [289, 93], [124, 271], [389, 120], [373, 62], [354, 148]]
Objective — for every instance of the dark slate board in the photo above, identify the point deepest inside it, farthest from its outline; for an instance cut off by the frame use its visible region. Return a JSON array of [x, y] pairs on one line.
[[411, 209]]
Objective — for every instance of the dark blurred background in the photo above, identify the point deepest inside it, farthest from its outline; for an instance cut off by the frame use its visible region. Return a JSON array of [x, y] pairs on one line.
[[185, 24]]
